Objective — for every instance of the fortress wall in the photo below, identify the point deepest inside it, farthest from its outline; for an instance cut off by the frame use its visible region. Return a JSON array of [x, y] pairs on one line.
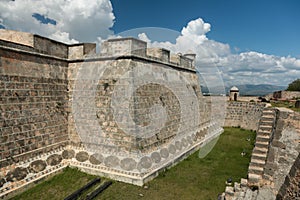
[[286, 94], [290, 188], [284, 149], [33, 100], [148, 93], [243, 114], [46, 86]]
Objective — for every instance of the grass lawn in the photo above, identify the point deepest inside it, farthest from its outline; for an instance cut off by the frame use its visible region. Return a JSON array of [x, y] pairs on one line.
[[285, 104], [193, 178]]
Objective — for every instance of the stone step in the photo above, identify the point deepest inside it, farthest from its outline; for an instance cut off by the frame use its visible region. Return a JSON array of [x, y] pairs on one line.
[[253, 178], [259, 156], [265, 127], [259, 150], [268, 117], [257, 163], [261, 144], [262, 138], [263, 133], [268, 111], [266, 123], [255, 170]]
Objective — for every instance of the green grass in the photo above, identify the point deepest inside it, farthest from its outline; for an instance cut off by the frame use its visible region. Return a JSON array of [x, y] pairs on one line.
[[285, 104], [57, 187], [193, 178]]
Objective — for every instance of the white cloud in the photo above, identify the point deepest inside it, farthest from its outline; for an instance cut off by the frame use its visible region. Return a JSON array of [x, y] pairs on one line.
[[236, 68], [91, 20], [76, 20]]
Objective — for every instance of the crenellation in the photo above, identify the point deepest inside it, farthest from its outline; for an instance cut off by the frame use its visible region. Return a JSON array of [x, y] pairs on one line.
[[123, 47], [159, 54], [78, 51], [17, 37]]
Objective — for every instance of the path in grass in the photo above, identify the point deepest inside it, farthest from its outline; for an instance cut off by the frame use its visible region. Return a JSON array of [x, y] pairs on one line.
[[193, 178]]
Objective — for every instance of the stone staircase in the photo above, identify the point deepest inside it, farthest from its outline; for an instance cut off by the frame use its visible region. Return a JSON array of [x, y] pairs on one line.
[[260, 151]]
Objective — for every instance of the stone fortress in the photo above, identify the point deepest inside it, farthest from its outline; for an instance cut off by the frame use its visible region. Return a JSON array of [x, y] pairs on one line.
[[125, 113]]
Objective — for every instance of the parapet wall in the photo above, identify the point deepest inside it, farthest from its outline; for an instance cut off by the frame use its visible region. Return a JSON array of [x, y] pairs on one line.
[[243, 114]]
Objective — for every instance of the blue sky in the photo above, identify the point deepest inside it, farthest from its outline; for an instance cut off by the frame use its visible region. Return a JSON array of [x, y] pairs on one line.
[[271, 26], [242, 41]]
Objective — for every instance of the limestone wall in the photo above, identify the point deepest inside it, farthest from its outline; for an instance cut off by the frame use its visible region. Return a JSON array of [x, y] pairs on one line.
[[33, 99], [284, 147], [137, 115], [121, 113], [243, 114], [286, 94], [290, 188]]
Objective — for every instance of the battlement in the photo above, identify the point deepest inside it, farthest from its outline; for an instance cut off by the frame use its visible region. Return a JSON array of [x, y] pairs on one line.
[[135, 47], [111, 48]]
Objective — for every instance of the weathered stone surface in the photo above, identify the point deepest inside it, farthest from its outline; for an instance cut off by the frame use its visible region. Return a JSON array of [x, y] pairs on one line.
[[82, 156], [278, 144], [178, 145], [184, 142], [243, 114], [164, 153], [172, 149], [111, 161], [96, 159], [68, 154], [146, 162], [54, 159], [265, 193], [155, 156], [37, 166], [17, 174], [128, 164]]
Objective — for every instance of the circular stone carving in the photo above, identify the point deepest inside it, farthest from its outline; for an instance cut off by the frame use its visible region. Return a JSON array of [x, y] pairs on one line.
[[82, 156], [96, 159], [128, 164], [16, 175], [146, 162], [111, 161], [178, 145], [54, 159], [155, 157], [189, 140], [164, 153], [37, 166], [172, 149], [68, 154], [184, 142]]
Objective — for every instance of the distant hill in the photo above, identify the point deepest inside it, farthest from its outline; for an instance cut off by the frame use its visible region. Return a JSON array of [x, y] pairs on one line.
[[248, 89]]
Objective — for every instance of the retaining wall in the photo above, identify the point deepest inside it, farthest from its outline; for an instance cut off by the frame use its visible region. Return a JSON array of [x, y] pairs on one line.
[[243, 114]]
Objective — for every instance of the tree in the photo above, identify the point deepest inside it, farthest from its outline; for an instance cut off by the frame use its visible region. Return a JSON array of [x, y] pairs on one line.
[[294, 86]]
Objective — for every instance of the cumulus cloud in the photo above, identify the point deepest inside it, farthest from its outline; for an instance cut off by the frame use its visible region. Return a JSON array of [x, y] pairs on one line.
[[72, 21], [216, 59]]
